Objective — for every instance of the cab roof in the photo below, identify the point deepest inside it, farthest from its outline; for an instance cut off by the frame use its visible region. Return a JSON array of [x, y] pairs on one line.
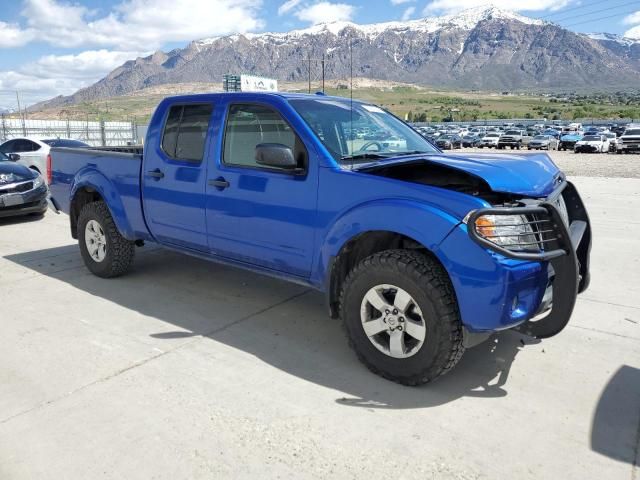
[[285, 95]]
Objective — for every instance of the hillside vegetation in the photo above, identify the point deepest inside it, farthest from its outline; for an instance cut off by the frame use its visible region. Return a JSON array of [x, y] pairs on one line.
[[411, 102]]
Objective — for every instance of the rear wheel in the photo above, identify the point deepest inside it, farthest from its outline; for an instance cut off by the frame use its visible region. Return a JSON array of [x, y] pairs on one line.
[[401, 316], [105, 252]]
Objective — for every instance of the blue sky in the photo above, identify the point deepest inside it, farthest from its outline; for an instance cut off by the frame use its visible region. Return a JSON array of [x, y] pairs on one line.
[[52, 47]]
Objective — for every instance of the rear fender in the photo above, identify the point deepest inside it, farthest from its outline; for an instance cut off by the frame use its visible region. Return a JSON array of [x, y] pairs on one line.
[[90, 177]]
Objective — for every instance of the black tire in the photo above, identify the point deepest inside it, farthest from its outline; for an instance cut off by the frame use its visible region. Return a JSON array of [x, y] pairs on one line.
[[428, 283], [120, 252]]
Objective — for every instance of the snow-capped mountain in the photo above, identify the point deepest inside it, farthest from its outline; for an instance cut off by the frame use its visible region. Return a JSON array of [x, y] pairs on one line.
[[612, 37], [467, 20], [485, 48]]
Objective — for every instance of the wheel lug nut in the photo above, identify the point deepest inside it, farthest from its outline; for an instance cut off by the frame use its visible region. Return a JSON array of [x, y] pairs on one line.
[[400, 328], [401, 319], [395, 312], [387, 312]]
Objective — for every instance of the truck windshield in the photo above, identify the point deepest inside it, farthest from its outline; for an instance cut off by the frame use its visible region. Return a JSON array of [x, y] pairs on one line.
[[359, 133]]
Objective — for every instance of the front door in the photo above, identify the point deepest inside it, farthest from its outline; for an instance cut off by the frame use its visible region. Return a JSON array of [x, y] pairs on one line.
[[257, 215], [174, 178]]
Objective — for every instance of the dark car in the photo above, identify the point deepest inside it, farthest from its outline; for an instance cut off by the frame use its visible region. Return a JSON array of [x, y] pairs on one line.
[[449, 142], [471, 141], [22, 191]]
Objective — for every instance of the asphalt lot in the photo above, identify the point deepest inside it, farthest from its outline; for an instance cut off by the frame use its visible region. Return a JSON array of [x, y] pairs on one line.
[[189, 370]]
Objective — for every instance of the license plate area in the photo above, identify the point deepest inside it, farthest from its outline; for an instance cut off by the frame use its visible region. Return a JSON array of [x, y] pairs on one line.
[[11, 200]]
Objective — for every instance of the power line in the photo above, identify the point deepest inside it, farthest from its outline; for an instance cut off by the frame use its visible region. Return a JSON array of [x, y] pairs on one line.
[[601, 18], [563, 10], [586, 14]]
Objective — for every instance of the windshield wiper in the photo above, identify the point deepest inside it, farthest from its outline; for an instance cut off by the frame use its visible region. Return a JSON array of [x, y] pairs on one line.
[[363, 156], [377, 156], [414, 152]]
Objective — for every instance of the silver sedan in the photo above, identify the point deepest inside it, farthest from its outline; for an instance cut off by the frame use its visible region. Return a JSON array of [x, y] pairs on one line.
[[33, 152]]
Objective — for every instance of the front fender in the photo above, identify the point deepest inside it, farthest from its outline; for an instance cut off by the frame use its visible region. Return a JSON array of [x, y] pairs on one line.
[[90, 177], [419, 221]]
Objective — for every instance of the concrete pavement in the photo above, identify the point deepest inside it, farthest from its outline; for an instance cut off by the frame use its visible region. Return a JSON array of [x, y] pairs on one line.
[[185, 369]]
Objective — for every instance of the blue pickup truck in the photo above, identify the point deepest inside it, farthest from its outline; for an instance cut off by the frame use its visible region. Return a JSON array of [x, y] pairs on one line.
[[420, 254]]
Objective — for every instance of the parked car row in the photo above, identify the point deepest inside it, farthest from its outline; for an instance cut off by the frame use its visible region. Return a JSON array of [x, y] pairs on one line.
[[601, 139]]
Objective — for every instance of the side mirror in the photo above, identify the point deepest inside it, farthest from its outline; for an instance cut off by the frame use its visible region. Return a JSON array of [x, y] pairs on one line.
[[14, 157], [275, 155]]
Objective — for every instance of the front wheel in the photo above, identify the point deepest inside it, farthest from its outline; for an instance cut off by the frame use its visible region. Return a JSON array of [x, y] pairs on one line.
[[401, 315], [105, 252]]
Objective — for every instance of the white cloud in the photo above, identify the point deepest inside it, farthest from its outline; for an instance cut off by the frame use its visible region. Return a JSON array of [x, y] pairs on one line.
[[14, 36], [454, 6], [131, 23], [406, 15], [325, 12], [633, 32], [287, 6], [633, 19], [54, 75], [400, 2]]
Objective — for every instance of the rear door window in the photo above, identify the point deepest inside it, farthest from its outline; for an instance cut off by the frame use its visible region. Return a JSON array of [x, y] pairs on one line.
[[23, 145], [185, 131]]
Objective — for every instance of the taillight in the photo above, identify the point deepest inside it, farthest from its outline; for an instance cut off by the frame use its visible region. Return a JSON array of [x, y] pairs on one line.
[[49, 172]]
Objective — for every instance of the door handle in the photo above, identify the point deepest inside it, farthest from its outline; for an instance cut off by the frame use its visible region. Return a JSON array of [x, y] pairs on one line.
[[157, 173], [220, 183]]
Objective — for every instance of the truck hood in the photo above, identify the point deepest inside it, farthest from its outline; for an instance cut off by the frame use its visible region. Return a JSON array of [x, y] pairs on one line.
[[531, 175]]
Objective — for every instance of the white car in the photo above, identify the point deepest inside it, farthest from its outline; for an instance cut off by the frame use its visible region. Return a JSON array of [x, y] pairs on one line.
[[490, 140], [592, 143], [33, 152], [629, 141], [613, 141]]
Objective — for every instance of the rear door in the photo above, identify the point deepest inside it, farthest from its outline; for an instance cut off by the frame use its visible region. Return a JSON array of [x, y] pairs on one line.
[[257, 215], [174, 177]]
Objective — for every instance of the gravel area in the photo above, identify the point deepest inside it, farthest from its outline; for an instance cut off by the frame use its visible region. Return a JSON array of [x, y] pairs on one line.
[[585, 164]]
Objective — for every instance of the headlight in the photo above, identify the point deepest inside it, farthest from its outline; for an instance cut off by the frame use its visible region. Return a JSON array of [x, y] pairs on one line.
[[38, 182], [513, 232]]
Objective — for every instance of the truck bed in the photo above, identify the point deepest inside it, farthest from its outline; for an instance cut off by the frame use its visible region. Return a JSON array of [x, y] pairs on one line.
[[113, 171]]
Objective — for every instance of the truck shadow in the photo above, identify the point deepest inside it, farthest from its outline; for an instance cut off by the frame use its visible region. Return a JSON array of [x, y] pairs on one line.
[[615, 430], [282, 324]]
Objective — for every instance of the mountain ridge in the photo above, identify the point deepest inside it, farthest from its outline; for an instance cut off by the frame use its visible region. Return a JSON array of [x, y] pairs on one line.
[[479, 48]]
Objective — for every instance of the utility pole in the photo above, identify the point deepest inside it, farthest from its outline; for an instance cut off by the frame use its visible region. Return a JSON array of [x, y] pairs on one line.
[[309, 70], [24, 127], [323, 73]]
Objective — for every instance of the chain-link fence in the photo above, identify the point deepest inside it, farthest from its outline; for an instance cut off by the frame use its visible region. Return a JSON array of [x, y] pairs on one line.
[[531, 121], [94, 133]]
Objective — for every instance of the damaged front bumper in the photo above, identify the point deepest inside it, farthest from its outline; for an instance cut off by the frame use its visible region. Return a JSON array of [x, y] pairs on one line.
[[564, 248]]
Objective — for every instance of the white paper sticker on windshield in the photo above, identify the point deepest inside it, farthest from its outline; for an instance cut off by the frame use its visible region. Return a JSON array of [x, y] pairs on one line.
[[372, 108]]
